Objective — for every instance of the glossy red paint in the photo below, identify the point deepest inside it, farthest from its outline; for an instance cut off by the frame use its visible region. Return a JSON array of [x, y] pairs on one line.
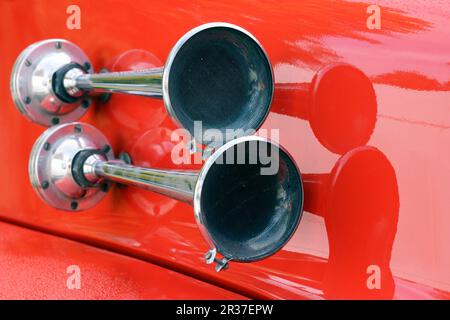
[[337, 91], [36, 265], [390, 207], [359, 202]]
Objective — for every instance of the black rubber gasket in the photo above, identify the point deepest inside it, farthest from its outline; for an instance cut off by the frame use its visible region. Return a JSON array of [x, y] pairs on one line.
[[58, 82], [77, 167]]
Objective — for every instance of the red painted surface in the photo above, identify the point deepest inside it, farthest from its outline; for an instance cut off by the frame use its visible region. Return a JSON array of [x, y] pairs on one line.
[[36, 265], [390, 206]]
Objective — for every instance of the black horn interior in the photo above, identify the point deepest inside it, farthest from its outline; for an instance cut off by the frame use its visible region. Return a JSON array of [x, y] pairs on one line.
[[250, 215], [222, 77]]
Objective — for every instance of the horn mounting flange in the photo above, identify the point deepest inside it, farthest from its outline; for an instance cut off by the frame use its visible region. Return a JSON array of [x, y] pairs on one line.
[[50, 166], [32, 82]]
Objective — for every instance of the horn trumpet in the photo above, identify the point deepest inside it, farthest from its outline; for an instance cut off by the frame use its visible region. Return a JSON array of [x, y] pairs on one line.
[[247, 198], [217, 73]]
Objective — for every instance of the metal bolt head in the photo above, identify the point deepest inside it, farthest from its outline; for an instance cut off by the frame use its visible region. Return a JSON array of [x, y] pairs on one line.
[[85, 103], [105, 187], [125, 157], [74, 205], [78, 129]]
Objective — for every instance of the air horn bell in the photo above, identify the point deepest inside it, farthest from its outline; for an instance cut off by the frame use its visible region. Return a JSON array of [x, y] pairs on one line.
[[243, 212], [217, 73]]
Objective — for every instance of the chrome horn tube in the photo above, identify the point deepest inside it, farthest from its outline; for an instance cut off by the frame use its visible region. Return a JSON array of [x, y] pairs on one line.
[[175, 184], [247, 198], [217, 73], [147, 82]]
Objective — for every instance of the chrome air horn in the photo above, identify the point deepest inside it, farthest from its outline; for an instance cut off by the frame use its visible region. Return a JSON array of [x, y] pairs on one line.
[[216, 73], [247, 198]]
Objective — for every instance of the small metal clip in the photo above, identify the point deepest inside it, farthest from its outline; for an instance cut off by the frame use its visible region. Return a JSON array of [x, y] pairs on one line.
[[210, 256], [210, 148], [191, 146], [208, 151], [221, 264]]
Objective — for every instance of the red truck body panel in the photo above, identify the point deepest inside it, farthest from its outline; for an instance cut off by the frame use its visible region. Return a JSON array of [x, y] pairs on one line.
[[331, 254]]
